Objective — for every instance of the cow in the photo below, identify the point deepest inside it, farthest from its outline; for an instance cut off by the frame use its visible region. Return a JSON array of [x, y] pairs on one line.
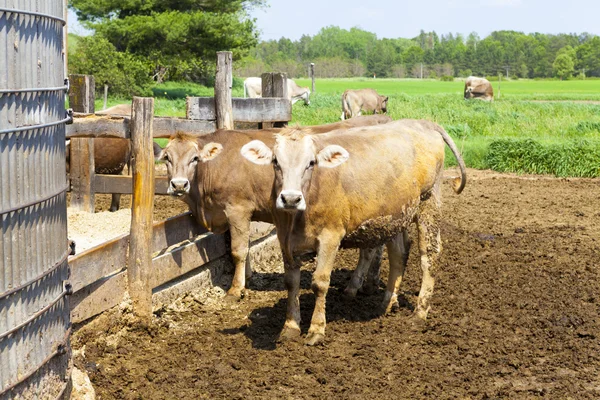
[[356, 101], [360, 187], [478, 88], [253, 89], [224, 191], [110, 154]]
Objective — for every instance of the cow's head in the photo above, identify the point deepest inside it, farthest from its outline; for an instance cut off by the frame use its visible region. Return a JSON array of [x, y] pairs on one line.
[[181, 156], [294, 158], [468, 92], [383, 100]]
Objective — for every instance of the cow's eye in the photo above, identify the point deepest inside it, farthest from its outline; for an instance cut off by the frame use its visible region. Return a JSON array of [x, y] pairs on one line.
[[275, 163], [166, 158], [195, 159], [311, 164]]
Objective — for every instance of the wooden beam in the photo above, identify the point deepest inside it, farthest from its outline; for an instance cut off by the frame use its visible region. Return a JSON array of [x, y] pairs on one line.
[[312, 76], [175, 230], [244, 110], [140, 240], [187, 257], [95, 126], [123, 184], [94, 264], [98, 297], [82, 171], [223, 85], [166, 127]]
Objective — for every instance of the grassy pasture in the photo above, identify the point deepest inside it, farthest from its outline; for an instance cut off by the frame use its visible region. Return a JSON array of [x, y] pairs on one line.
[[535, 127]]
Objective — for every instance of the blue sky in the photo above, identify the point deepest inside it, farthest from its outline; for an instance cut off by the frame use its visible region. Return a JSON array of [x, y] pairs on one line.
[[397, 18]]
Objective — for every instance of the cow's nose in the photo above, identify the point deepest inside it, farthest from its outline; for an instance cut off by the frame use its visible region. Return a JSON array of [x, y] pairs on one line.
[[291, 199], [180, 185]]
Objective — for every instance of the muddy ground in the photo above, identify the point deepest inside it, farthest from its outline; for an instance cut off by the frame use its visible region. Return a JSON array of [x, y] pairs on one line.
[[515, 314]]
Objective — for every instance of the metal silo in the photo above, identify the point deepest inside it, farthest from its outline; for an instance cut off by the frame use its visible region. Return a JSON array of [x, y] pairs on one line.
[[34, 310]]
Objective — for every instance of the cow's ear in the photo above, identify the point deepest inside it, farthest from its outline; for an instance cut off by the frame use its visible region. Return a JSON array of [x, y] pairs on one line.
[[332, 156], [210, 151], [158, 151], [257, 152]]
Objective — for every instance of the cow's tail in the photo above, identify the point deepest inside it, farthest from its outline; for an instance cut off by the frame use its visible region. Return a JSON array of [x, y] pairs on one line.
[[345, 106], [459, 182]]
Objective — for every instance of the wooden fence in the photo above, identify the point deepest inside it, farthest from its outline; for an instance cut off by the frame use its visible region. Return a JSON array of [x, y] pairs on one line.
[[151, 254]]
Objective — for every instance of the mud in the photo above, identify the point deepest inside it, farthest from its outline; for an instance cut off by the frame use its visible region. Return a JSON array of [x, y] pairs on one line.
[[514, 315]]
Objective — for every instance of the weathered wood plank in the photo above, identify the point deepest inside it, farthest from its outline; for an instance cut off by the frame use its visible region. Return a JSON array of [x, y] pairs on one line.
[[123, 184], [98, 297], [94, 126], [175, 230], [82, 93], [185, 258], [82, 171], [165, 127], [140, 241], [223, 85], [244, 110], [94, 264]]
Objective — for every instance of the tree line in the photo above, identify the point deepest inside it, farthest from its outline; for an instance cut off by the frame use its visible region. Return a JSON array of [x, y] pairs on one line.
[[138, 43], [355, 52]]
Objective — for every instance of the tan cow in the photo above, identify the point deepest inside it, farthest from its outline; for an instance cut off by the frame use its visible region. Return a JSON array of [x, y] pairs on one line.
[[478, 88], [253, 89], [356, 188], [356, 101], [224, 191]]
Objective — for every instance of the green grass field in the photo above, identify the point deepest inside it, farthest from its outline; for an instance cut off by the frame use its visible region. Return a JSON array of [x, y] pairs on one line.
[[558, 135]]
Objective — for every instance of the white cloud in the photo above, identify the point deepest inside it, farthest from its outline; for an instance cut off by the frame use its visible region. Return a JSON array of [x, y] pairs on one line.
[[503, 3]]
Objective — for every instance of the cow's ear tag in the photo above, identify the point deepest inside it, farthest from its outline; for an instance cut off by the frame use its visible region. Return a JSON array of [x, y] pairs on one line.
[[210, 151], [257, 152], [332, 156]]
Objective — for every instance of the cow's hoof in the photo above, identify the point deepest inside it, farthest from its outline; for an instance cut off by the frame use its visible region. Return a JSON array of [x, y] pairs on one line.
[[289, 334], [416, 323], [233, 297], [350, 293], [113, 209], [389, 307], [369, 288], [313, 339]]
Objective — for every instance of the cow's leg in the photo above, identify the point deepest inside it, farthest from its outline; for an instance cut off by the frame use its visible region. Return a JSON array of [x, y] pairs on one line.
[[366, 261], [328, 247], [398, 249], [291, 328], [239, 229], [372, 282], [115, 202], [430, 248]]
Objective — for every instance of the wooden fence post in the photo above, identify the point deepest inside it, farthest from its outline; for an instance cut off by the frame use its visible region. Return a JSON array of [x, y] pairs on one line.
[[223, 84], [274, 85], [140, 242], [312, 76], [81, 160]]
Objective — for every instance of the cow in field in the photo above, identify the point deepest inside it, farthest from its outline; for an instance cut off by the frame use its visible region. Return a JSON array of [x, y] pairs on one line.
[[478, 88], [253, 89], [356, 101], [360, 187], [225, 191]]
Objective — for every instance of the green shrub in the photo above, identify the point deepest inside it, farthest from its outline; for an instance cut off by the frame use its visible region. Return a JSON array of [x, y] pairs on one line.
[[447, 78], [579, 158], [125, 74]]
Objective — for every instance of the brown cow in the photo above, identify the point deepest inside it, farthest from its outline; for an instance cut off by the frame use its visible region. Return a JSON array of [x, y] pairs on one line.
[[387, 176], [223, 190], [478, 88], [110, 154], [356, 101]]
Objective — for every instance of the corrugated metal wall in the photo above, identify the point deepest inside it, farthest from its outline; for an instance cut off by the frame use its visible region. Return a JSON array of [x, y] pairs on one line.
[[34, 312]]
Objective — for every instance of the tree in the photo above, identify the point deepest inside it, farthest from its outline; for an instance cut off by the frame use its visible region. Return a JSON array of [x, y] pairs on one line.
[[178, 36], [563, 66]]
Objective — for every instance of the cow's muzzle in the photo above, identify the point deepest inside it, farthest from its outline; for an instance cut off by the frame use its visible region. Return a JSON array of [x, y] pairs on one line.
[[178, 187], [291, 200]]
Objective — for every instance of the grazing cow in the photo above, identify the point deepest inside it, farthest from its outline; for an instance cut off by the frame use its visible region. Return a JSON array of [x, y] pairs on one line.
[[356, 101], [205, 173], [478, 88], [387, 176], [110, 154], [253, 89]]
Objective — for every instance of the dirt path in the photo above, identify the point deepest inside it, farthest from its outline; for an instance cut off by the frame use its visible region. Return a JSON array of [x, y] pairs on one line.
[[515, 314]]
